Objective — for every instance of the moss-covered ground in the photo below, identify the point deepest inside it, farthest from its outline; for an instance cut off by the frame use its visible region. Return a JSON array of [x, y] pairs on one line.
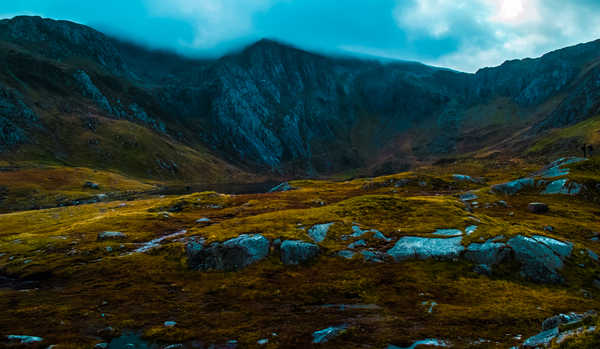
[[60, 282]]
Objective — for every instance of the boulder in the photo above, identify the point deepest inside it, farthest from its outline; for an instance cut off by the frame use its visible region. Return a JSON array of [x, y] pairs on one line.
[[541, 258], [448, 232], [294, 252], [346, 254], [318, 232], [231, 255], [410, 247], [356, 244], [562, 186], [537, 207], [91, 185], [541, 339], [513, 187], [487, 254], [111, 235]]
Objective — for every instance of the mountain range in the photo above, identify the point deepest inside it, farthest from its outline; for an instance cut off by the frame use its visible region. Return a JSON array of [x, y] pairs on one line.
[[73, 96]]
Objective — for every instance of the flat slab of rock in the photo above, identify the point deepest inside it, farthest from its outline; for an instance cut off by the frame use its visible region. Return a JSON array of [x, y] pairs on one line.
[[411, 247], [231, 255], [23, 339], [295, 252], [285, 186]]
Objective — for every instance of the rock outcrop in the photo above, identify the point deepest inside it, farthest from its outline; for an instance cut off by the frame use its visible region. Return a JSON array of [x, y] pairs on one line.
[[295, 252], [411, 247], [231, 255]]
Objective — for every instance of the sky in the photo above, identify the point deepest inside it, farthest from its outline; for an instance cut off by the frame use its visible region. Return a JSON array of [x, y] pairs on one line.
[[464, 35]]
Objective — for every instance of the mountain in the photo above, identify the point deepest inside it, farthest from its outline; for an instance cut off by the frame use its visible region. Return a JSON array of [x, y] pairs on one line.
[[72, 95]]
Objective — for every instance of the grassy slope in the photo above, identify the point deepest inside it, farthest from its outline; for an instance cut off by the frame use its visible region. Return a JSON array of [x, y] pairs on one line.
[[84, 288]]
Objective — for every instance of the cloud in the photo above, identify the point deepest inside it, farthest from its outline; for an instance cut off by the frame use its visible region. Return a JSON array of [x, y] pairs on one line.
[[460, 34], [491, 31], [214, 21]]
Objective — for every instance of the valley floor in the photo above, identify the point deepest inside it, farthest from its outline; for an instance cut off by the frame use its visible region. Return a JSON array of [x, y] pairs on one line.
[[359, 260]]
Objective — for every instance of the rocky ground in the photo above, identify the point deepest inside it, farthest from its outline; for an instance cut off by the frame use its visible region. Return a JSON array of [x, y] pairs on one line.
[[468, 254]]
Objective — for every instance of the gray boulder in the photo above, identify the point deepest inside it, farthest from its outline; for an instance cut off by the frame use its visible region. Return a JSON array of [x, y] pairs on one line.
[[318, 232], [513, 187], [537, 207], [294, 252], [541, 339], [410, 247], [487, 254], [541, 257], [231, 255], [111, 235], [562, 186], [23, 339]]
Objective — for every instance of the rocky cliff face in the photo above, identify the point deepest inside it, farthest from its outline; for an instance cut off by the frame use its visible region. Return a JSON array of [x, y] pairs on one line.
[[276, 108]]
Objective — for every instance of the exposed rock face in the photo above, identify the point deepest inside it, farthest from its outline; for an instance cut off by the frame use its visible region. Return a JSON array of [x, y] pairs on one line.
[[231, 255], [410, 247], [563, 186], [541, 257], [15, 118], [294, 252]]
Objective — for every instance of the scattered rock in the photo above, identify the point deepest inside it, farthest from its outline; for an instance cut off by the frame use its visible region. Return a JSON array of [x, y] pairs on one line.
[[370, 256], [318, 232], [470, 229], [410, 247], [448, 232], [541, 339], [428, 342], [231, 255], [203, 220], [111, 235], [262, 341], [537, 207], [465, 178], [101, 346], [468, 197], [91, 185], [379, 235], [170, 323], [346, 254], [294, 252], [502, 203], [323, 336], [357, 244]]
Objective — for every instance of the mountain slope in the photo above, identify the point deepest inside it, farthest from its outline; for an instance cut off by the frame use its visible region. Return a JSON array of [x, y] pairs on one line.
[[274, 108]]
